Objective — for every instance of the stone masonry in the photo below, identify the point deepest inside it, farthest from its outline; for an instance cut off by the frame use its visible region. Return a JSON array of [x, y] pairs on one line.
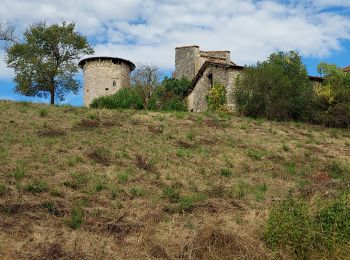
[[205, 68], [104, 76]]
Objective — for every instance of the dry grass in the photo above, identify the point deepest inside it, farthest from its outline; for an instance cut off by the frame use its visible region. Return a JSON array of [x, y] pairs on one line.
[[153, 185]]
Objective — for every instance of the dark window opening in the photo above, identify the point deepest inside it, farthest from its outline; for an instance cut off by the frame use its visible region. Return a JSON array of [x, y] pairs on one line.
[[114, 83], [106, 88], [210, 77], [87, 90]]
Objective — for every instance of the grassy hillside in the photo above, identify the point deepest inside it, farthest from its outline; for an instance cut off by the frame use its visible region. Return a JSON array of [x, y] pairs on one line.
[[77, 183]]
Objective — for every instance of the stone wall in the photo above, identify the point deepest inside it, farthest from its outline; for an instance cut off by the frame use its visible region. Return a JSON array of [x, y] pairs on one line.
[[187, 62], [223, 75], [103, 77]]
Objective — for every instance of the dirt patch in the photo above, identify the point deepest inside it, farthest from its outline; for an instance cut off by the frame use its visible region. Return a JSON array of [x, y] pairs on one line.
[[51, 132], [143, 163], [215, 243]]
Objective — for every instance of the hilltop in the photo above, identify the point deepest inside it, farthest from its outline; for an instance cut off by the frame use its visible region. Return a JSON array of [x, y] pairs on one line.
[[79, 183]]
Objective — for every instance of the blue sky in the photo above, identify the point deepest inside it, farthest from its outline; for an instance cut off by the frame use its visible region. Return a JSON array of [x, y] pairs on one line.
[[148, 31]]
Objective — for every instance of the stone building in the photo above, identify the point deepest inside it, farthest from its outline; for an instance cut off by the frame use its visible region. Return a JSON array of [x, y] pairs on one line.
[[104, 76], [204, 68]]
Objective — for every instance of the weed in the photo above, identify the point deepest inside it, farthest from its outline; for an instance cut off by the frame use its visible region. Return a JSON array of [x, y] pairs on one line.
[[100, 185], [123, 177], [286, 148], [291, 168], [241, 189], [55, 192], [255, 154], [183, 153], [338, 170], [260, 191], [3, 189], [190, 136], [185, 204], [292, 227], [171, 194], [101, 155], [76, 218], [43, 112], [50, 207], [73, 161], [36, 186], [19, 174], [225, 172], [137, 192], [78, 181], [114, 193]]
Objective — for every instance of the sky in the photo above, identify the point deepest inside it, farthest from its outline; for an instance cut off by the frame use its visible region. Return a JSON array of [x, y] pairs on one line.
[[147, 31]]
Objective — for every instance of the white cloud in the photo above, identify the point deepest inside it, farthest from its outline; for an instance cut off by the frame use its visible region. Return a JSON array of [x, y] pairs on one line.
[[148, 31]]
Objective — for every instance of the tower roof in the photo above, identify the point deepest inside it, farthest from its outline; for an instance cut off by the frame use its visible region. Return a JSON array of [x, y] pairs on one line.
[[102, 58]]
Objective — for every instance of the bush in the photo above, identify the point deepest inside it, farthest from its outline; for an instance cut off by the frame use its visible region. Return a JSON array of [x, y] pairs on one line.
[[217, 97], [170, 95], [125, 98], [294, 227], [333, 97], [278, 89]]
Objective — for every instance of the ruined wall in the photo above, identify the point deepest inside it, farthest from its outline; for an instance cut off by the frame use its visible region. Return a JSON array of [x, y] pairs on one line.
[[198, 101], [102, 78], [197, 98]]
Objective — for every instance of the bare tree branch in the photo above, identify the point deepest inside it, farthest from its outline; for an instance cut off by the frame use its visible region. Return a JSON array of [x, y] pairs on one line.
[[7, 32]]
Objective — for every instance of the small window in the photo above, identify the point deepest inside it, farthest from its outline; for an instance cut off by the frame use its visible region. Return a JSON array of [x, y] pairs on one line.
[[106, 88], [210, 77], [114, 83], [87, 90]]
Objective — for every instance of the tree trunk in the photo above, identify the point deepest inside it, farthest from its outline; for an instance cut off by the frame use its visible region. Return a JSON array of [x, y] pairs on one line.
[[52, 93]]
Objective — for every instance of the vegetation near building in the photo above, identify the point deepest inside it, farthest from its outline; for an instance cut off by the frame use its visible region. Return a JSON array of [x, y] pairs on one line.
[[45, 60]]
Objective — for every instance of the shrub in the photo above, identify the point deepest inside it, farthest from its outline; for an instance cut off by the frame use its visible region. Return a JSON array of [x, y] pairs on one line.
[[171, 194], [36, 186], [277, 89], [225, 172], [43, 112], [216, 97], [76, 218], [333, 97], [169, 96], [125, 98], [294, 227]]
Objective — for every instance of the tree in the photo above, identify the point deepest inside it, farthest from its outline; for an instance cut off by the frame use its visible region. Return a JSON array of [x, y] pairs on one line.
[[7, 32], [333, 96], [146, 78], [278, 89], [45, 62]]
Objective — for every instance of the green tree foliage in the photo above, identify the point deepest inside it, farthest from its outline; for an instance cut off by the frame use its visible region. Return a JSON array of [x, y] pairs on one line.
[[217, 97], [125, 98], [45, 61], [333, 97], [170, 95], [277, 89]]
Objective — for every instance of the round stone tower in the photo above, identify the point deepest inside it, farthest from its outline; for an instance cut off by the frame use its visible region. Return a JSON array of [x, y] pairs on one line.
[[104, 76]]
